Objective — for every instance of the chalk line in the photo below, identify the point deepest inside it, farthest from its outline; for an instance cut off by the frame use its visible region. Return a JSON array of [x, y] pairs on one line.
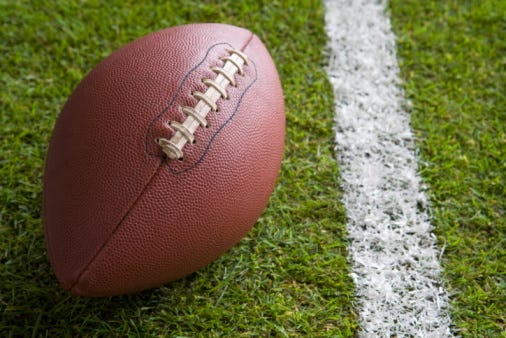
[[395, 261]]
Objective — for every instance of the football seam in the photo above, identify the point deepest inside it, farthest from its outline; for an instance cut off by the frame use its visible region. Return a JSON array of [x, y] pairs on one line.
[[136, 200], [175, 96], [106, 242], [201, 158], [172, 169], [207, 104]]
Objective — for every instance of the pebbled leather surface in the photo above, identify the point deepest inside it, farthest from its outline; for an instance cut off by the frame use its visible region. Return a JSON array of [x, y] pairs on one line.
[[119, 217]]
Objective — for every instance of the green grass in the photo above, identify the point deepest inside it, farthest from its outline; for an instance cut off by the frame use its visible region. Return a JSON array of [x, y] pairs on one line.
[[288, 277], [453, 60]]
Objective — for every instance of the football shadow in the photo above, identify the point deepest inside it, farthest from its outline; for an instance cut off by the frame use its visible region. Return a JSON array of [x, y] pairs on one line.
[[32, 302]]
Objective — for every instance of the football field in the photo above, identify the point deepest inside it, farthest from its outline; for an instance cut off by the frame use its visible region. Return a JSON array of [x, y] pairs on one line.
[[388, 217]]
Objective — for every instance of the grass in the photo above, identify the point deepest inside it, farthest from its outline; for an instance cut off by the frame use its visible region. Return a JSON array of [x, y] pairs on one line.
[[288, 277], [453, 63]]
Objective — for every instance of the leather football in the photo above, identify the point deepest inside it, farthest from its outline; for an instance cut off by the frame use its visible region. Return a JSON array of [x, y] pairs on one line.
[[162, 159]]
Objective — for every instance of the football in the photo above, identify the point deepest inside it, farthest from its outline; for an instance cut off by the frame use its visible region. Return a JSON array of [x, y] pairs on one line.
[[163, 158]]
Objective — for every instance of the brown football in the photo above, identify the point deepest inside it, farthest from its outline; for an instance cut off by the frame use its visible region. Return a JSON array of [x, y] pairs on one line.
[[162, 159]]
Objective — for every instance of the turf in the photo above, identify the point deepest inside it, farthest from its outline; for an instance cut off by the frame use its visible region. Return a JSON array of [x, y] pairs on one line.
[[288, 277], [453, 63]]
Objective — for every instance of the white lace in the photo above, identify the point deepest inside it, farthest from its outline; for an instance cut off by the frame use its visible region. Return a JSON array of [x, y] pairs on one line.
[[196, 116]]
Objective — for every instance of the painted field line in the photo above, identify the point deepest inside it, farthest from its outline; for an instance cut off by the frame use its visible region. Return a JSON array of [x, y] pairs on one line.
[[394, 257]]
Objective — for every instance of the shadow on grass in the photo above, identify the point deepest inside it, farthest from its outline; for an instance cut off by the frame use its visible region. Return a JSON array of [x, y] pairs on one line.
[[32, 303]]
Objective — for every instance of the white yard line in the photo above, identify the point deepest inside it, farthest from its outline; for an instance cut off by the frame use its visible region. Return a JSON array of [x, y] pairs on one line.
[[394, 257]]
